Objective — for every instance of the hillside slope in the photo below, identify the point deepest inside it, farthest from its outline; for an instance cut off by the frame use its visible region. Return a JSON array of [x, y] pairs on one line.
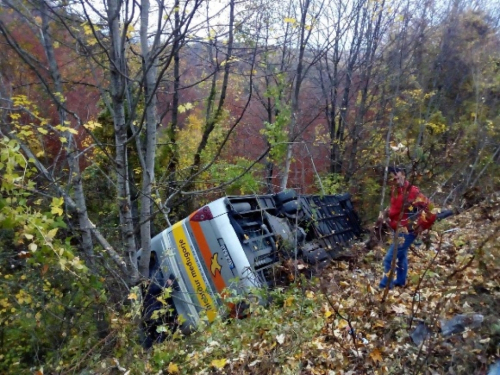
[[308, 326]]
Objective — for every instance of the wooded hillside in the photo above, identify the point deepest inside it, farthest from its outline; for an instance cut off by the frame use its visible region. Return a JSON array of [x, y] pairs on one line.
[[120, 118]]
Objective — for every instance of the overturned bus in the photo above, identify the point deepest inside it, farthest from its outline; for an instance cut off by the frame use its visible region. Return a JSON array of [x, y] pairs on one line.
[[235, 243]]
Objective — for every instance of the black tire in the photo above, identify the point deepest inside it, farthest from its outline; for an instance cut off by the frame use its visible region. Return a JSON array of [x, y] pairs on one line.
[[285, 196], [293, 211], [241, 207], [291, 207]]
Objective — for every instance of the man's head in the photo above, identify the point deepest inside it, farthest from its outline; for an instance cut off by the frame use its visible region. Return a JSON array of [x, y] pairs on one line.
[[396, 175]]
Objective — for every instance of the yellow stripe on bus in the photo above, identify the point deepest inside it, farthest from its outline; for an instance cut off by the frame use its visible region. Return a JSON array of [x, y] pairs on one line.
[[193, 271]]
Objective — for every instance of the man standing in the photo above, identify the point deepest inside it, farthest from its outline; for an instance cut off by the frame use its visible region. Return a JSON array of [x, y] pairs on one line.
[[409, 214]]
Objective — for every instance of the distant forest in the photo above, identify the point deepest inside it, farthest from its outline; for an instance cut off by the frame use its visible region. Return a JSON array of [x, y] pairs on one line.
[[119, 120]]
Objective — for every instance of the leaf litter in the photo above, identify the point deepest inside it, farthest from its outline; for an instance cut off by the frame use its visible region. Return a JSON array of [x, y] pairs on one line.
[[342, 325]]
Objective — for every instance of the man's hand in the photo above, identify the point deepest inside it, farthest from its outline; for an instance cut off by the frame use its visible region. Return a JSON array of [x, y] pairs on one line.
[[418, 230], [381, 217]]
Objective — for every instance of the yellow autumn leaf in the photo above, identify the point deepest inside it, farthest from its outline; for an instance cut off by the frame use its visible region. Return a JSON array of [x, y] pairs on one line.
[[173, 368], [63, 139], [130, 31], [92, 41], [185, 107], [62, 263], [219, 363], [87, 29], [328, 314], [310, 294], [342, 324], [132, 296], [376, 355], [289, 301], [52, 233], [56, 206], [91, 125], [57, 211], [42, 130], [20, 100], [289, 20]]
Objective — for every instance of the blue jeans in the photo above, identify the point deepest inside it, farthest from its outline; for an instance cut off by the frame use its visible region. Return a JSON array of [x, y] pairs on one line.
[[402, 261]]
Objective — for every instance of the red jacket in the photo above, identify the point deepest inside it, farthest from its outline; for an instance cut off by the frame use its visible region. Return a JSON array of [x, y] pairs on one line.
[[416, 206]]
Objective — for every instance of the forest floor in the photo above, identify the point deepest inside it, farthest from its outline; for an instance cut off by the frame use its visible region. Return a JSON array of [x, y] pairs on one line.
[[456, 271], [340, 323]]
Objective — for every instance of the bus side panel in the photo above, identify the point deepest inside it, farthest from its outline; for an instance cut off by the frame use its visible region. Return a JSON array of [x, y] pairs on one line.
[[220, 247], [217, 265], [222, 229], [193, 272]]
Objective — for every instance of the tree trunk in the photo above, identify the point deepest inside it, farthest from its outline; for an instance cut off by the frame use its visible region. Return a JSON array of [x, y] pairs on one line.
[[297, 83], [344, 107], [70, 145], [215, 118], [118, 70], [148, 177], [372, 38]]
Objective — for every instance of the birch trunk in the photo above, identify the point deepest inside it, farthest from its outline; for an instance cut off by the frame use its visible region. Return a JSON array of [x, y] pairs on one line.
[[117, 73], [149, 71], [215, 118], [70, 146], [372, 38], [338, 152], [296, 91]]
